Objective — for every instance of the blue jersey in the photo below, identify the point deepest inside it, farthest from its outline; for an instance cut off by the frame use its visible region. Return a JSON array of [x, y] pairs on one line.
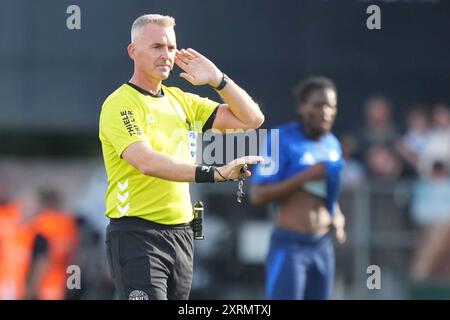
[[289, 151]]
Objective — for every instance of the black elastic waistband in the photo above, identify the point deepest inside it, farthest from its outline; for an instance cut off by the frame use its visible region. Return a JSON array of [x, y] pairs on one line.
[[136, 222]]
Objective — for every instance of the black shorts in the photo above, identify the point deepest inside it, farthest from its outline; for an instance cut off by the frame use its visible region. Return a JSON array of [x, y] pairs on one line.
[[150, 261]]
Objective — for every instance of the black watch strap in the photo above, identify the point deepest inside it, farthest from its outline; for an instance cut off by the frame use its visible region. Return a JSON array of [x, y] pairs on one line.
[[223, 82]]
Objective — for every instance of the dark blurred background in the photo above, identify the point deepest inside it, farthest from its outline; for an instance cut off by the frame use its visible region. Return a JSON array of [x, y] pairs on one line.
[[54, 80], [393, 120]]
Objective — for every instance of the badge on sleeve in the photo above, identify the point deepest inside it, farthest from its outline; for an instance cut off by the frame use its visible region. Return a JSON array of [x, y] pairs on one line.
[[192, 136]]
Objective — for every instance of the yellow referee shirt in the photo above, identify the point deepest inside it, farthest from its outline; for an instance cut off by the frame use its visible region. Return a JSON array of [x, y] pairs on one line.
[[166, 121]]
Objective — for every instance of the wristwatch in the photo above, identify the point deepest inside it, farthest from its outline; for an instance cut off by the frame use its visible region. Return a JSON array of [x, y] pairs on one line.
[[223, 82]]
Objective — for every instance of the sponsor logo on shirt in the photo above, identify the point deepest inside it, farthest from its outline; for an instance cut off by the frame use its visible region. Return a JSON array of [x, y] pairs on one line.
[[130, 123]]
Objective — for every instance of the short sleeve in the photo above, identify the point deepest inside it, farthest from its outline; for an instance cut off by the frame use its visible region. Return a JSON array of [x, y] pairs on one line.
[[274, 167], [120, 124], [204, 110]]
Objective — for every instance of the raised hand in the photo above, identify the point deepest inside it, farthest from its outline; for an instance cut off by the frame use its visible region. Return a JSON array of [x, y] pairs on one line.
[[198, 69]]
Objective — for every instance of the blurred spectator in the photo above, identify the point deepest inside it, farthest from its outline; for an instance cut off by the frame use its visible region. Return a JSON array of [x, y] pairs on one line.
[[430, 202], [431, 211], [432, 262], [53, 250], [353, 174], [383, 163], [378, 138], [16, 238], [9, 219], [437, 146], [378, 128], [415, 139]]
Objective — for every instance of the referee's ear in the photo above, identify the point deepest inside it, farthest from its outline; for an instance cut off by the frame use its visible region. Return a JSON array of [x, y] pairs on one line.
[[131, 50]]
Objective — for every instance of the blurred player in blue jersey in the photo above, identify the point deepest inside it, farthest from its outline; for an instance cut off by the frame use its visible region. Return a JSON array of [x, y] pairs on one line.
[[302, 175]]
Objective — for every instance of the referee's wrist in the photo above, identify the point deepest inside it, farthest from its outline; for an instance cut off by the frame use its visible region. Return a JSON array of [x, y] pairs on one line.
[[205, 174], [223, 82]]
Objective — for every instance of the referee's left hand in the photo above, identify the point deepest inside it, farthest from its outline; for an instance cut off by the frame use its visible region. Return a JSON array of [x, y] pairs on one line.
[[198, 69], [232, 170]]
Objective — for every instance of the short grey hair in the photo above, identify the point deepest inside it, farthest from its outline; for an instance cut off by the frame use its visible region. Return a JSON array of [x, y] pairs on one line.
[[142, 21]]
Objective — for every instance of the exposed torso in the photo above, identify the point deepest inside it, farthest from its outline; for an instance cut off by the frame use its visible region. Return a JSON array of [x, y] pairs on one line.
[[303, 212]]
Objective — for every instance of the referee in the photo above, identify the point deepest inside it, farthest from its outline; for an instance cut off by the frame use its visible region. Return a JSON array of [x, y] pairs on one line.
[[148, 133]]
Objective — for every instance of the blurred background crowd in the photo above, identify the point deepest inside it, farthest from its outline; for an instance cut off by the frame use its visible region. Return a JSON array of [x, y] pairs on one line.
[[393, 123]]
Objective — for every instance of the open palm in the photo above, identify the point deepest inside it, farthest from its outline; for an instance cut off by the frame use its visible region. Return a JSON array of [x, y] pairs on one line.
[[198, 69]]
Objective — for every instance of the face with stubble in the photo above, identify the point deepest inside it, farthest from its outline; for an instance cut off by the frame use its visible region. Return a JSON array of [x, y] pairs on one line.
[[153, 51]]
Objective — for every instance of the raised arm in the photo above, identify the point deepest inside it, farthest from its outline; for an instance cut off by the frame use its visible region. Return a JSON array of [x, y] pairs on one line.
[[239, 110]]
